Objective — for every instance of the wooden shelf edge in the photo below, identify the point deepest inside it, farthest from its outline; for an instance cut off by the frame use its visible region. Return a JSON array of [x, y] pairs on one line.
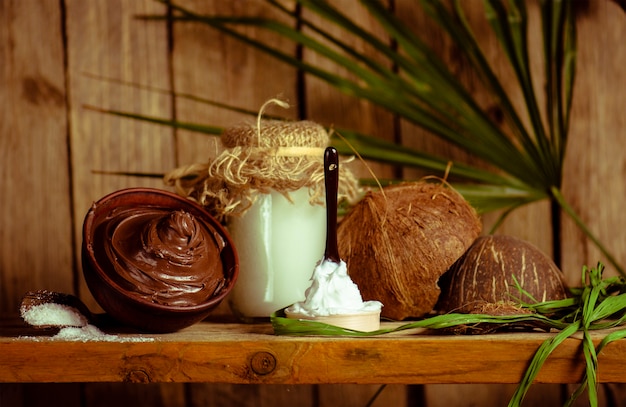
[[238, 353]]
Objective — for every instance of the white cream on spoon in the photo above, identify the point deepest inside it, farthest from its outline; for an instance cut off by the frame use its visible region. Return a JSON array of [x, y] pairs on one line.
[[332, 292]]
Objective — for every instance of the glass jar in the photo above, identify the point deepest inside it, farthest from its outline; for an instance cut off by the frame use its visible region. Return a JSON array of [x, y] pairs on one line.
[[267, 185], [279, 244]]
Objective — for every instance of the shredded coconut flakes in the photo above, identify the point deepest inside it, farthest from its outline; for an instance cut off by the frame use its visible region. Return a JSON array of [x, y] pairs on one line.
[[74, 325]]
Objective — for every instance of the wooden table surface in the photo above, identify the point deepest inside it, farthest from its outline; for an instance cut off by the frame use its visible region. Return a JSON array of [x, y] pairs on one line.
[[223, 352]]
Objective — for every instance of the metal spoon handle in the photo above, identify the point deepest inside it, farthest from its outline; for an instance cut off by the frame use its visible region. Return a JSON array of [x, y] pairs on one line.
[[331, 180]]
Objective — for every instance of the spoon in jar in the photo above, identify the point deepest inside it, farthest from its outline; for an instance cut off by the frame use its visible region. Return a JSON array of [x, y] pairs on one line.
[[331, 180]]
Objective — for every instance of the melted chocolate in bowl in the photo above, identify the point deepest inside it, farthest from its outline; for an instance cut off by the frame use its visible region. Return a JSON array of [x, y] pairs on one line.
[[155, 260], [164, 256]]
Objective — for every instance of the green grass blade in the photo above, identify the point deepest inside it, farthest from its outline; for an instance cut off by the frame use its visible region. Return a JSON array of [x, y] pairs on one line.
[[550, 21], [341, 20], [346, 141], [559, 56], [383, 84], [591, 369], [569, 74], [553, 306], [609, 307], [421, 81], [611, 337], [510, 26], [474, 121], [566, 207], [460, 31], [440, 100], [488, 197], [427, 65], [195, 127], [221, 23], [380, 92], [181, 95], [299, 327], [537, 362]]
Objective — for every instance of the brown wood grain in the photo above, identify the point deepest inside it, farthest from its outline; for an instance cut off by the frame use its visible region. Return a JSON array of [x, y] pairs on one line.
[[252, 354], [224, 394], [107, 45], [596, 162], [35, 201], [35, 212], [210, 65], [325, 104], [54, 61], [531, 223], [539, 230], [376, 395]]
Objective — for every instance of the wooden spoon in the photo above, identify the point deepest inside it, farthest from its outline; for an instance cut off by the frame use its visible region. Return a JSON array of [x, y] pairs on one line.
[[331, 179]]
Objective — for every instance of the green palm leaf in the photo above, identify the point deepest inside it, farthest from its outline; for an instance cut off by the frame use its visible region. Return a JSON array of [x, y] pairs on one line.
[[424, 92], [412, 83]]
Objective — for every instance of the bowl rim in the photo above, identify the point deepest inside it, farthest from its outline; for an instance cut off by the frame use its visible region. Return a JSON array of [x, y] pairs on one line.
[[231, 271]]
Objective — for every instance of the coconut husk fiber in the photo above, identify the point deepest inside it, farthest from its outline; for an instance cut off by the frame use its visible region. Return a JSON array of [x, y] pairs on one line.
[[398, 241], [257, 158]]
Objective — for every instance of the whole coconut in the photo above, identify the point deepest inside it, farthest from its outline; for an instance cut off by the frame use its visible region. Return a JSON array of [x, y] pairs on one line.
[[489, 274], [399, 241]]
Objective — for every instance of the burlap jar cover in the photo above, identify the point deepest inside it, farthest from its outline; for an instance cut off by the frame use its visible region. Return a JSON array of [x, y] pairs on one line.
[[283, 156]]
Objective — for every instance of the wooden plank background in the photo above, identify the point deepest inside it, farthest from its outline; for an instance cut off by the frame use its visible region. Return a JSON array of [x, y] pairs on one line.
[[54, 56]]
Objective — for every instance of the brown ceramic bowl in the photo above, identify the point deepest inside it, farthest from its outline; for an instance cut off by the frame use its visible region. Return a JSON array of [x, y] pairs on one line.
[[116, 298]]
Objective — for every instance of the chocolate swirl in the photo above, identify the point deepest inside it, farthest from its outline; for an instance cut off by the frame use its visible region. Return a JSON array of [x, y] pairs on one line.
[[165, 256]]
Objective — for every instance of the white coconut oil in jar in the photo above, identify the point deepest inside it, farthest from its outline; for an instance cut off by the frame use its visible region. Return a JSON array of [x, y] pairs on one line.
[[279, 243], [267, 184]]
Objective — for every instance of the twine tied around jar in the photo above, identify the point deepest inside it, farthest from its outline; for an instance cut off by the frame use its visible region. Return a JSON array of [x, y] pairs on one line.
[[283, 156]]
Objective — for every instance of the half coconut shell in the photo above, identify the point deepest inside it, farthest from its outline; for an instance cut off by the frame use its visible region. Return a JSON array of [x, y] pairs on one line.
[[492, 271]]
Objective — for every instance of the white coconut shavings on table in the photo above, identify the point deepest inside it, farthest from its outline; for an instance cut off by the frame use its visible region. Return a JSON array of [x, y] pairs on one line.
[[92, 333], [74, 325]]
